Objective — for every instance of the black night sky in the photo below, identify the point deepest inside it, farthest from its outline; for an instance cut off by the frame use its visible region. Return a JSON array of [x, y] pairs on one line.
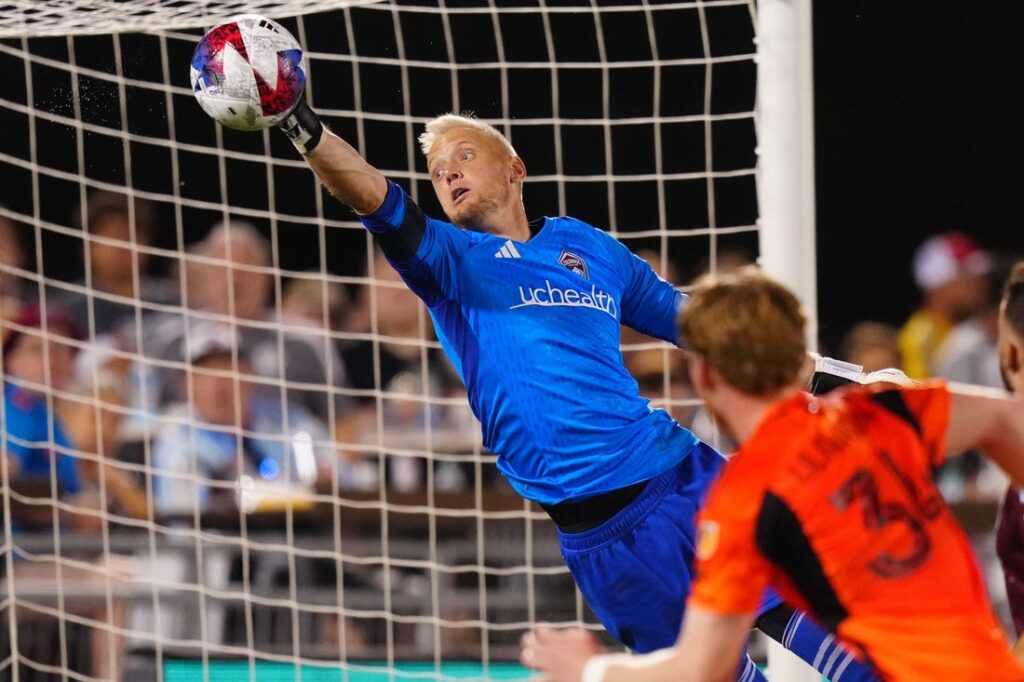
[[919, 112]]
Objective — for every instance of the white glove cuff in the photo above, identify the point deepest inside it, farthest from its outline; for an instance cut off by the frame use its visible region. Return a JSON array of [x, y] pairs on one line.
[[596, 667], [846, 370]]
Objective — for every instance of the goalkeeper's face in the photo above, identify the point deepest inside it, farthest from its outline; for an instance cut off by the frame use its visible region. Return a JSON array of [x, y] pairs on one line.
[[475, 178]]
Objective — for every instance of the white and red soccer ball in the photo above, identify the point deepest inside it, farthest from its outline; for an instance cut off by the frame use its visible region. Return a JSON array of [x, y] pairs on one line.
[[247, 72]]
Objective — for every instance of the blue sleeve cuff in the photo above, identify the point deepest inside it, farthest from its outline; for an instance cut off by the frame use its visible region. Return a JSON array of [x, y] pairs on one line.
[[389, 216]]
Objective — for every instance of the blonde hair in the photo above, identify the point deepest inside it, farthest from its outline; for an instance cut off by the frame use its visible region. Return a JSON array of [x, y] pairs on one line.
[[749, 327], [442, 124]]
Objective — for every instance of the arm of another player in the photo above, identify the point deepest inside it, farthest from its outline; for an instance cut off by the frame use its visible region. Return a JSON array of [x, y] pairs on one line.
[[345, 173], [990, 420], [1018, 649], [708, 650]]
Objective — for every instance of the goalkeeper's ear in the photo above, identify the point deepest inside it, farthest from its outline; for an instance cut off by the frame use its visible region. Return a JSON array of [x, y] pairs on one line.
[[303, 127]]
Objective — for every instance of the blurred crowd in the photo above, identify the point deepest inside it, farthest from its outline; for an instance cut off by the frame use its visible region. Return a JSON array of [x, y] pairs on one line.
[[216, 385], [225, 383]]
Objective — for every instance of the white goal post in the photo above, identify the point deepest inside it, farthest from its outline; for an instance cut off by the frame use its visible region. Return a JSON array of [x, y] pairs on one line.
[[785, 126]]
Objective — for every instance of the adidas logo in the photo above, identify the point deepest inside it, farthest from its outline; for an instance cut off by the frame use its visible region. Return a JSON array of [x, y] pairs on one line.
[[508, 250]]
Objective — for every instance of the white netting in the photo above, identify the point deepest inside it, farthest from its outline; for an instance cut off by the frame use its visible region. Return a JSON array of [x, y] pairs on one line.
[[388, 536], [34, 18]]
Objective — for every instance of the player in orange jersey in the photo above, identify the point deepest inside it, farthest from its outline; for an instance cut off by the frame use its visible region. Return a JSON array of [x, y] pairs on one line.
[[829, 500]]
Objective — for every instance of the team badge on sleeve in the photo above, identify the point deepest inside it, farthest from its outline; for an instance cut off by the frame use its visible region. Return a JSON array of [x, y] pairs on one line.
[[571, 261], [707, 540]]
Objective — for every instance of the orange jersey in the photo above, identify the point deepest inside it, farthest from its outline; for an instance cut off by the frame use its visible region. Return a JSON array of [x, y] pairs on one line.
[[832, 502]]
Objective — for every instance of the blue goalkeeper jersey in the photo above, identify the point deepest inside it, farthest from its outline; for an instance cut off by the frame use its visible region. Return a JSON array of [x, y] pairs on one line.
[[533, 331]]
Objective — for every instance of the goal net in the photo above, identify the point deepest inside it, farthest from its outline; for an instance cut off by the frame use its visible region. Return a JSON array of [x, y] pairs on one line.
[[232, 446]]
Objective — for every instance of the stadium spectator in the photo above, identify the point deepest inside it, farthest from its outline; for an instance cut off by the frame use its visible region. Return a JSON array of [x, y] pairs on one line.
[[228, 430], [392, 369], [969, 352], [229, 278], [872, 345], [92, 416], [969, 355], [829, 500], [403, 328], [308, 301], [385, 304], [45, 428], [1010, 526], [12, 256], [81, 443], [108, 295], [529, 313], [39, 360], [724, 260], [948, 270]]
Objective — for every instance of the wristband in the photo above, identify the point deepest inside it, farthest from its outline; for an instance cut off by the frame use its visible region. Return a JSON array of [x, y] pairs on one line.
[[830, 374], [303, 127], [597, 666]]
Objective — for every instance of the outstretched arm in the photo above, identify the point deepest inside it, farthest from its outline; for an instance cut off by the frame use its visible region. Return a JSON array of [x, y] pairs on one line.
[[990, 420], [346, 174], [708, 650], [423, 251]]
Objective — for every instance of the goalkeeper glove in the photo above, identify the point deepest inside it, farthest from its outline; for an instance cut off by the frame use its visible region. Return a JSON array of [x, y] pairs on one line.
[[303, 127], [830, 374]]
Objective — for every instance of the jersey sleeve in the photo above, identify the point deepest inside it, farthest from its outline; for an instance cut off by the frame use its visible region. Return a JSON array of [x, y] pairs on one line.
[[649, 303], [425, 252], [731, 575]]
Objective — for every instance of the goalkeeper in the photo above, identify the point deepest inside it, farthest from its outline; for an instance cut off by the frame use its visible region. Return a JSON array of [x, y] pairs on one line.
[[529, 313]]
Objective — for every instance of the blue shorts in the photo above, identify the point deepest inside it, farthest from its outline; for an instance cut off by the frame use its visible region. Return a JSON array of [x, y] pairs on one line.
[[635, 569]]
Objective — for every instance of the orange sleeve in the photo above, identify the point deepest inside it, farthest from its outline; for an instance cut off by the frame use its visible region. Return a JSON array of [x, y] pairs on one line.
[[930, 405], [731, 573]]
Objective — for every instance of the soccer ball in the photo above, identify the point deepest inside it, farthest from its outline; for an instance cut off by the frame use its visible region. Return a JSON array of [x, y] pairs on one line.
[[247, 72]]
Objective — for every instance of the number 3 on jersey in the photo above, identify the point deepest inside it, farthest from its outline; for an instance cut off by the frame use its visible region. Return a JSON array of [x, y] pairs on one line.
[[878, 515]]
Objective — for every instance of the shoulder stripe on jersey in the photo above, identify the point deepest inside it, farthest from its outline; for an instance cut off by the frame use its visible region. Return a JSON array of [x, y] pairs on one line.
[[893, 401], [780, 537]]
